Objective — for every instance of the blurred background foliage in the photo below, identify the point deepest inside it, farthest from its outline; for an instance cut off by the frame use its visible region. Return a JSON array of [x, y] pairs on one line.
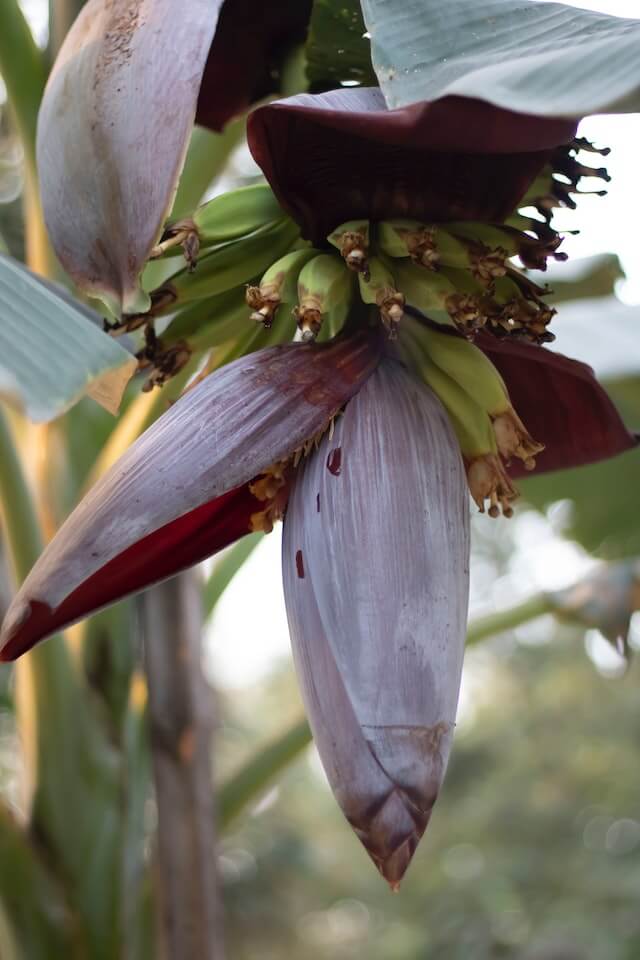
[[534, 848]]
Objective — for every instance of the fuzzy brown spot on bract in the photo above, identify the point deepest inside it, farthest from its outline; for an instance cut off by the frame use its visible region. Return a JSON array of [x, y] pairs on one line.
[[124, 20], [334, 461], [300, 564]]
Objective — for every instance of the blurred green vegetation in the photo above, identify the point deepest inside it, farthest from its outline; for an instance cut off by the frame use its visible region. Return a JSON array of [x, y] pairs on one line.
[[533, 851]]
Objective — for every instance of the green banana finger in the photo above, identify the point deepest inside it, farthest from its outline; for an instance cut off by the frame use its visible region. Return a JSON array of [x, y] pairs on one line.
[[323, 284], [379, 286], [352, 240], [492, 245], [469, 367], [424, 290], [208, 323], [429, 245], [450, 290], [236, 214], [228, 266], [225, 218], [278, 285], [476, 374], [487, 478]]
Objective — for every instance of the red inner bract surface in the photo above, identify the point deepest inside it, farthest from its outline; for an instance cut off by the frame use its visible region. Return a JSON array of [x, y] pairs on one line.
[[174, 547], [561, 404]]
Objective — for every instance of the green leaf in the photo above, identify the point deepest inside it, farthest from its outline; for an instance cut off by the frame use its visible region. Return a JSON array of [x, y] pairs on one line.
[[207, 156], [583, 279], [23, 71], [32, 906], [72, 768], [226, 569], [337, 50], [52, 350], [544, 59], [250, 782]]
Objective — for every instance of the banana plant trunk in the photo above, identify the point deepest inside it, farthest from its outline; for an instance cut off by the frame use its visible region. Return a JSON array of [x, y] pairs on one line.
[[181, 727]]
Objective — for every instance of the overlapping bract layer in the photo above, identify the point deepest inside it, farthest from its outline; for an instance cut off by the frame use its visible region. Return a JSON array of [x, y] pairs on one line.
[[375, 562], [183, 490], [343, 154], [118, 112]]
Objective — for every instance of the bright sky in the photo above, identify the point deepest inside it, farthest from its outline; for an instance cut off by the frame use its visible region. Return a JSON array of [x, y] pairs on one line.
[[248, 636]]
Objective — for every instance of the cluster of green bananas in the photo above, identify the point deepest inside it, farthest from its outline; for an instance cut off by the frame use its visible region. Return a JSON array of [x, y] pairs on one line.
[[256, 280], [226, 245], [460, 274], [471, 389], [476, 399], [247, 279]]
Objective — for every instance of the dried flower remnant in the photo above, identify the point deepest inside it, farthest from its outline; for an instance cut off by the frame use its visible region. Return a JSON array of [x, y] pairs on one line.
[[352, 241]]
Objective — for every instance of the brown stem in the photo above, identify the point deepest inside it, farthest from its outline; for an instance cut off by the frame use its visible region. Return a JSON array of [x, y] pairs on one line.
[[181, 730]]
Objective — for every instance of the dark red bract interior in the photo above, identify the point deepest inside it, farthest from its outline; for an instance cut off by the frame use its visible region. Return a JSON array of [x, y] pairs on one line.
[[455, 159], [561, 403], [174, 547], [252, 39]]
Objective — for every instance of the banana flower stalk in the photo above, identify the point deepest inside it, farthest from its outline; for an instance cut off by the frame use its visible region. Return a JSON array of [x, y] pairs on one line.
[[361, 443]]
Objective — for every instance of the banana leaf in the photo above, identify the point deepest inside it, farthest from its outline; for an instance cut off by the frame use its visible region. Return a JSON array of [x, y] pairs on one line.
[[544, 59]]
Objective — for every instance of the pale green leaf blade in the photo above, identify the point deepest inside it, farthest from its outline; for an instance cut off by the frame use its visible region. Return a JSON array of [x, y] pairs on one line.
[[544, 59], [51, 353]]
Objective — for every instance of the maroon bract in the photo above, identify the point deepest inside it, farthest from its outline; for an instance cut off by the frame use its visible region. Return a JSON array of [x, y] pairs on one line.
[[203, 475], [251, 42], [342, 155], [562, 404]]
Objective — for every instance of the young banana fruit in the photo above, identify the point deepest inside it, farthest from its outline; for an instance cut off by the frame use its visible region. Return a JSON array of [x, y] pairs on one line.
[[378, 286], [324, 283], [226, 266], [455, 293], [434, 246], [225, 218], [489, 483], [472, 370], [486, 475], [278, 285], [352, 240]]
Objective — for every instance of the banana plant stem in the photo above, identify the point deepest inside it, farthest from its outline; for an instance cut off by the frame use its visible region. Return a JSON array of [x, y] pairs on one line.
[[488, 626], [181, 728]]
